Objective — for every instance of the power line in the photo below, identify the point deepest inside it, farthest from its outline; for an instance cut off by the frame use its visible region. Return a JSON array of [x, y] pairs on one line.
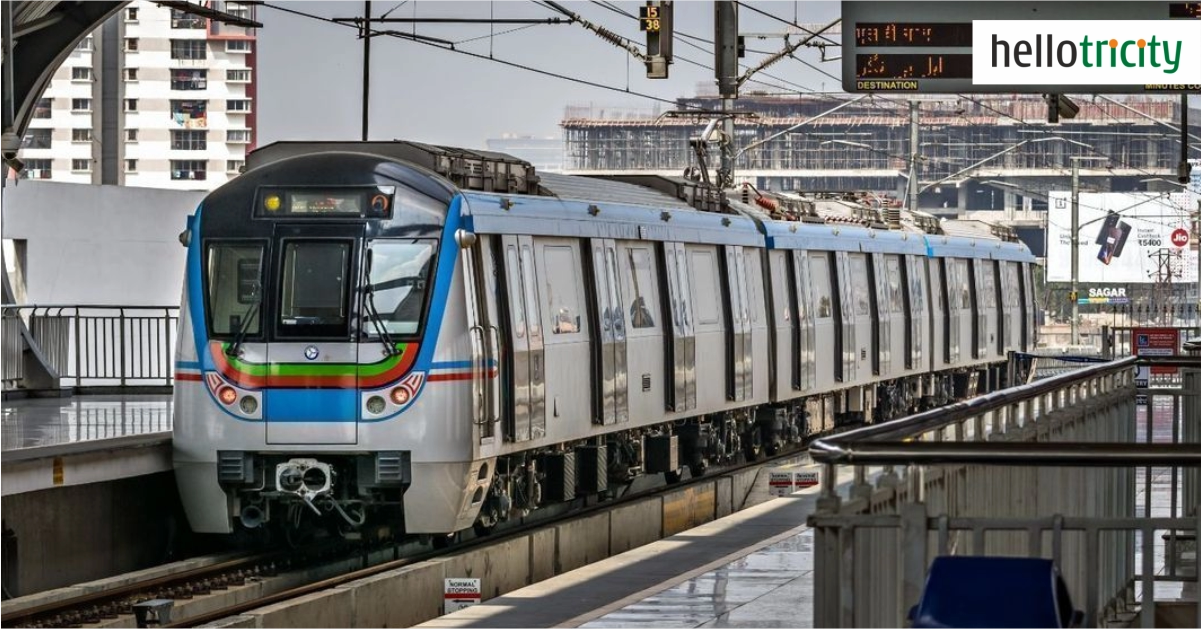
[[512, 64]]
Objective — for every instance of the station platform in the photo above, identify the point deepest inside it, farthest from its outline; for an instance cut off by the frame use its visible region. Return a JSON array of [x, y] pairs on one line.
[[54, 442], [753, 568]]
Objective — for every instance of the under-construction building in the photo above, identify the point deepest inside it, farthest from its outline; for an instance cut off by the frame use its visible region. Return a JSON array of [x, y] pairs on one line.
[[986, 152]]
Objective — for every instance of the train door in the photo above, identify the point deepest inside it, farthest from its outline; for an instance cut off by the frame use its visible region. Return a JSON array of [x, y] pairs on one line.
[[681, 349], [313, 366], [609, 348], [977, 280], [915, 309], [846, 316], [881, 300], [528, 418], [806, 354], [1028, 321], [951, 287], [738, 325], [859, 292], [483, 325]]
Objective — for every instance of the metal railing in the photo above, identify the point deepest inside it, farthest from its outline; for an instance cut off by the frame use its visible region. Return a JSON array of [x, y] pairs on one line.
[[1045, 469], [98, 346]]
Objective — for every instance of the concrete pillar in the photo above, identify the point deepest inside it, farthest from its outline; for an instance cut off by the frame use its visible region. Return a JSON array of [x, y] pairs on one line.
[[962, 197], [1010, 204]]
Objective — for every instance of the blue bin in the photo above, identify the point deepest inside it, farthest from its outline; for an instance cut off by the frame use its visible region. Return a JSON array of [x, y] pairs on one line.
[[994, 592]]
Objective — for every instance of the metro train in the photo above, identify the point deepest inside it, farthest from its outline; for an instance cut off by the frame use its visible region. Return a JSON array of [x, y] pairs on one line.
[[439, 339]]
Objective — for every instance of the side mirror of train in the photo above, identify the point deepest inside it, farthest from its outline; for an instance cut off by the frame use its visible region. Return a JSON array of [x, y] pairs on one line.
[[185, 237]]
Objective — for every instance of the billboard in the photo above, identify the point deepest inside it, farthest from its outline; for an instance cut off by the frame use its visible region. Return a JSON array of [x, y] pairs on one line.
[[1125, 237]]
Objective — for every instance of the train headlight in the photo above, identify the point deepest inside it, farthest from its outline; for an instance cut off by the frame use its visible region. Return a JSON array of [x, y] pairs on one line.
[[227, 396], [248, 404], [375, 405], [271, 202], [400, 396]]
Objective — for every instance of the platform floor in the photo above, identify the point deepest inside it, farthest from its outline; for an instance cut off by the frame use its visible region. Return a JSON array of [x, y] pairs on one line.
[[40, 422], [753, 568]]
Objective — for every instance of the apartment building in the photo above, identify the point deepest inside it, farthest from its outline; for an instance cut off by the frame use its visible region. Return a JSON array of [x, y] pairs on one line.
[[155, 97]]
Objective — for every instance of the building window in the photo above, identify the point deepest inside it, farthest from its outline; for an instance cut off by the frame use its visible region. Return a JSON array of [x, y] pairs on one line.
[[85, 44], [188, 169], [81, 104], [131, 44], [43, 108], [234, 166], [131, 165], [81, 165], [131, 135], [189, 79], [237, 45], [238, 76], [81, 135], [190, 114], [131, 74], [189, 140], [183, 19], [131, 104], [241, 105], [81, 74], [237, 136], [188, 49], [36, 169], [37, 139], [131, 15]]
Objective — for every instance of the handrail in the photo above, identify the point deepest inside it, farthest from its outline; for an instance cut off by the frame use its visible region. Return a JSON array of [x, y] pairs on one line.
[[880, 444], [959, 411]]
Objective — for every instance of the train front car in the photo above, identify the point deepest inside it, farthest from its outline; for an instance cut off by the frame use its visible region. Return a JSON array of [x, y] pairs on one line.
[[308, 363]]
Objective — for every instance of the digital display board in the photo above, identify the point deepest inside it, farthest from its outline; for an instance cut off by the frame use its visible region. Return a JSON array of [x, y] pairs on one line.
[[880, 34], [926, 46], [1185, 10], [304, 202]]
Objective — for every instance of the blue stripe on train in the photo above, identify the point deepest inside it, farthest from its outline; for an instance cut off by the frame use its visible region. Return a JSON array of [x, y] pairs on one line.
[[311, 405]]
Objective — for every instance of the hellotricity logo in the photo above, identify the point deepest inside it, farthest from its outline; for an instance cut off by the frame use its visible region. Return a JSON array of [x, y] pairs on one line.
[[1080, 52]]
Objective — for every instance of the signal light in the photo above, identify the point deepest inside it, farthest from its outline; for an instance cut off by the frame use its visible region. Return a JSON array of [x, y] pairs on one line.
[[272, 202], [227, 396], [400, 396]]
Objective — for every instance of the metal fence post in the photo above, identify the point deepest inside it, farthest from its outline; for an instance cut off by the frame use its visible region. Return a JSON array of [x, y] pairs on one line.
[[913, 554]]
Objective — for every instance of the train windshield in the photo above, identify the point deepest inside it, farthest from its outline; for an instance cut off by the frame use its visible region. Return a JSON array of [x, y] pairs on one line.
[[397, 284], [235, 279], [313, 295]]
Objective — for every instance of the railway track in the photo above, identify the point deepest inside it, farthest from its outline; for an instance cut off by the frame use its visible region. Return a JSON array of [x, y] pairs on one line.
[[263, 579]]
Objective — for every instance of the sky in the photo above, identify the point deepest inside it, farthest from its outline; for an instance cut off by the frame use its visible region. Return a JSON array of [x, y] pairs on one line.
[[310, 71]]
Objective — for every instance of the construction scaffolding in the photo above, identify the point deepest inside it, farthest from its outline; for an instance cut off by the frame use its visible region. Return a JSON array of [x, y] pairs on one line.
[[864, 146]]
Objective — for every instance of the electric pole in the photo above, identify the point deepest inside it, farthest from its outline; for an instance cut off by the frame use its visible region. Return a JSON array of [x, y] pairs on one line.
[[913, 186], [725, 42], [1075, 252], [366, 64]]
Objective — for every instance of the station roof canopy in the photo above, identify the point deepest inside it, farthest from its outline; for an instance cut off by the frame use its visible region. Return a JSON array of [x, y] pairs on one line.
[[39, 34]]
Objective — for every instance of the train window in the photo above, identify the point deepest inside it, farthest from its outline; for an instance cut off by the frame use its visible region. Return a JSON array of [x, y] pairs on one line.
[[704, 275], [516, 303], [562, 292], [640, 283], [892, 267], [234, 275], [917, 285], [400, 271], [531, 296], [961, 280], [313, 293], [858, 272], [819, 277]]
